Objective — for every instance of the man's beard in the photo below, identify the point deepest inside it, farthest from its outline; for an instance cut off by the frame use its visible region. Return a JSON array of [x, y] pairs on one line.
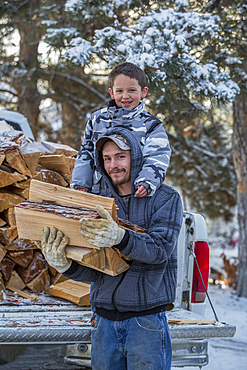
[[116, 181]]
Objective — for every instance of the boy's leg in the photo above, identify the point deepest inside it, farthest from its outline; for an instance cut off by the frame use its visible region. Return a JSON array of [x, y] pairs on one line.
[[106, 352], [148, 343]]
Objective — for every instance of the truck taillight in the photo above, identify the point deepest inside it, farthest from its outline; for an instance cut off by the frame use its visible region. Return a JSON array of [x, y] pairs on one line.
[[202, 255]]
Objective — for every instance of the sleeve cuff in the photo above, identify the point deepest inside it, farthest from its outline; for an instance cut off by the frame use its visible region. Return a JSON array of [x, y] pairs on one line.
[[123, 242]]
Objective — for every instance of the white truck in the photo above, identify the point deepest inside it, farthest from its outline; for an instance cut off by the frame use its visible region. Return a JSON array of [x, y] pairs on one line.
[[54, 334]]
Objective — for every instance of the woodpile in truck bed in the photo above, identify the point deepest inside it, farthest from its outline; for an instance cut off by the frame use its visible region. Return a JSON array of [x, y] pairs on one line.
[[22, 265]]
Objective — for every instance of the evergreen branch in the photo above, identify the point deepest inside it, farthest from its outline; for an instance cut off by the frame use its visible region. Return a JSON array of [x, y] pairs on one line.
[[79, 81]]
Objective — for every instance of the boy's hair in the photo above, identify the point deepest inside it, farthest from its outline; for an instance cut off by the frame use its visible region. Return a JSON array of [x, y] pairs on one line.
[[130, 70]]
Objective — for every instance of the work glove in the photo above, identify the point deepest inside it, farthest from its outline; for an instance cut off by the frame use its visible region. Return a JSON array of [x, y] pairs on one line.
[[102, 232], [53, 244]]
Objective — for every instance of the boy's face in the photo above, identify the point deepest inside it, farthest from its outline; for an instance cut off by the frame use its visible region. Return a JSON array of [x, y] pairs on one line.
[[127, 92]]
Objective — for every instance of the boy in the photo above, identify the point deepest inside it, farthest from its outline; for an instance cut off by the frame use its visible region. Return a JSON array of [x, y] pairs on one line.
[[127, 87]]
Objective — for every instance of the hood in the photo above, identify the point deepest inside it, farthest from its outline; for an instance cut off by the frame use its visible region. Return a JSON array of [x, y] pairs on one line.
[[136, 156]]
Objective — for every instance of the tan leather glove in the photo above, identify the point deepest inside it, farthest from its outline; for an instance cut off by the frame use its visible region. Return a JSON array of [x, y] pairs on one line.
[[103, 232], [53, 244]]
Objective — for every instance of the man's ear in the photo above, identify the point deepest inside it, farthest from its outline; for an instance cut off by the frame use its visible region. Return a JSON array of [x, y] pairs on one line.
[[144, 92], [111, 93]]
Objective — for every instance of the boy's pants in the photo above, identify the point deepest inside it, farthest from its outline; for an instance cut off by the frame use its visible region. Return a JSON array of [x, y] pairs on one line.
[[139, 343]]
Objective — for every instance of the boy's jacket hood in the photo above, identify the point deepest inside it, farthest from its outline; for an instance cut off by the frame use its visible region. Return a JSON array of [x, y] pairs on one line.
[[136, 156]]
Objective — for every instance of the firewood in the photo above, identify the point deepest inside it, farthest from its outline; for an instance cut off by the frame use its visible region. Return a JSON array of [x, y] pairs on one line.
[[94, 258], [40, 191], [7, 266], [33, 297], [40, 282], [24, 193], [15, 281], [2, 158], [31, 160], [52, 270], [9, 215], [58, 278], [9, 178], [20, 244], [21, 257], [3, 251], [2, 222], [73, 291], [25, 184], [60, 163], [191, 321], [8, 200], [8, 234], [37, 264], [15, 160], [52, 177], [57, 148]]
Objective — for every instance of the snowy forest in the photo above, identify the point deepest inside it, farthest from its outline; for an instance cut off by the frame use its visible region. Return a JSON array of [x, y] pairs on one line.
[[55, 57]]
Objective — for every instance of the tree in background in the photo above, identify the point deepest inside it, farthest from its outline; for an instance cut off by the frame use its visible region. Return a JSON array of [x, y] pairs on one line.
[[29, 78]]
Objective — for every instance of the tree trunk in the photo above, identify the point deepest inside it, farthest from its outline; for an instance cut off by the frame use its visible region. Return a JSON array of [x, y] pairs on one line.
[[239, 144]]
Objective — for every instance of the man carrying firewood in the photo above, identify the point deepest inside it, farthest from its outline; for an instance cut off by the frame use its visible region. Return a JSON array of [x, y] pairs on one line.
[[130, 329]]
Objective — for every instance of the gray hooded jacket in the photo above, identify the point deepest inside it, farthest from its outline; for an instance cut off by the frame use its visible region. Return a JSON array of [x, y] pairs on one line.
[[150, 281], [151, 135]]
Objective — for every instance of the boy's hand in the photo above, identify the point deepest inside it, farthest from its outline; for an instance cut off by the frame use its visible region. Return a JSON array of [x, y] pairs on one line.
[[81, 189], [141, 191]]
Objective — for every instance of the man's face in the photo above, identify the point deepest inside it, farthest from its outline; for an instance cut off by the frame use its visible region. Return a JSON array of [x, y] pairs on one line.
[[127, 92], [117, 163]]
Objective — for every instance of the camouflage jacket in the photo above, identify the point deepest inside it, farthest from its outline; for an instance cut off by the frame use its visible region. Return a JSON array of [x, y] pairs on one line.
[[151, 134]]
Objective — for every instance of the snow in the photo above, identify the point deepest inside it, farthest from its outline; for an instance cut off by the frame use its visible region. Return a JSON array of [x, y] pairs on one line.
[[227, 353]]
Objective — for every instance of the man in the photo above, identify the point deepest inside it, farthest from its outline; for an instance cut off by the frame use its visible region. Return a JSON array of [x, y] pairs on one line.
[[130, 329]]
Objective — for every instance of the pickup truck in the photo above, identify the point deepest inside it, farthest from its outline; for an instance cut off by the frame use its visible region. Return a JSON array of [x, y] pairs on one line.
[[53, 333]]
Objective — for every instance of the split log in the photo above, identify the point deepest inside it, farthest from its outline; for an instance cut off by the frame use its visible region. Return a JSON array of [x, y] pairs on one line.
[[8, 200], [73, 291], [20, 244], [15, 281], [33, 297], [37, 264], [2, 158], [31, 160], [8, 177], [53, 177], [9, 215], [24, 193], [57, 148], [15, 160], [40, 282], [58, 278], [8, 234], [21, 258], [7, 266], [2, 222], [59, 163], [3, 251], [40, 191]]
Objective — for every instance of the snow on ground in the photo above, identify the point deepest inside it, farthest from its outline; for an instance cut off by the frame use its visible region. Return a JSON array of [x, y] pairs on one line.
[[226, 353]]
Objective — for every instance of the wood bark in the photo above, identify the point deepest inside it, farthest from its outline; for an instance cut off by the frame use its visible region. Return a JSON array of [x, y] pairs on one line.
[[239, 144]]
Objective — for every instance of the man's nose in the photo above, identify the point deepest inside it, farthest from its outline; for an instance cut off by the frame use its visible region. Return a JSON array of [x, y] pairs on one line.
[[114, 163]]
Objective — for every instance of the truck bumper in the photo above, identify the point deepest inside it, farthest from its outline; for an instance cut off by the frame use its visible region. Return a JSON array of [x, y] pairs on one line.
[[189, 352]]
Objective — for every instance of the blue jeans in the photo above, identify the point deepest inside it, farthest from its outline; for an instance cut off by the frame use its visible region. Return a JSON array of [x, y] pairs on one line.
[[139, 343]]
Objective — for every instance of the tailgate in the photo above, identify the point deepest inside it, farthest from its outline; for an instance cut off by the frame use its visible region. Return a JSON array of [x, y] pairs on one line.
[[44, 324], [182, 329]]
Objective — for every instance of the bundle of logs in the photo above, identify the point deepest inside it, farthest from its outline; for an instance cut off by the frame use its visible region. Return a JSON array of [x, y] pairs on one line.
[[35, 192], [22, 265]]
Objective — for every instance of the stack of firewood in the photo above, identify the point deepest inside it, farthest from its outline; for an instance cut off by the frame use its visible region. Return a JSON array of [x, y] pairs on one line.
[[22, 264]]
